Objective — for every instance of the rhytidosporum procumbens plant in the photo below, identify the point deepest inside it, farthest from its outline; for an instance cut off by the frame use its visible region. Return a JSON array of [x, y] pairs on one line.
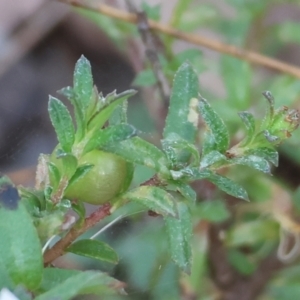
[[94, 163]]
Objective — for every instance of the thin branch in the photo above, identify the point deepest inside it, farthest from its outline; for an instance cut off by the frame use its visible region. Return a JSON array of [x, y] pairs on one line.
[[58, 249], [103, 211], [250, 56], [152, 54]]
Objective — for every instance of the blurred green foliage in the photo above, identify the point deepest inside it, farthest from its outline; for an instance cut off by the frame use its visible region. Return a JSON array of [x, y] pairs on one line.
[[244, 24]]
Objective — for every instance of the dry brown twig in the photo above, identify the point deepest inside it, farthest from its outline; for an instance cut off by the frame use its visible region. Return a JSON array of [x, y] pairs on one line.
[[250, 56]]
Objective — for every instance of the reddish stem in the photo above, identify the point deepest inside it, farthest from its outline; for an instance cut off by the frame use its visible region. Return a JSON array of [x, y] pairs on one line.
[[58, 249]]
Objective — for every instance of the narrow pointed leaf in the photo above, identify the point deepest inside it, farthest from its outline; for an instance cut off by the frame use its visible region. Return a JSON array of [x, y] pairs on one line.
[[119, 115], [94, 249], [66, 284], [67, 163], [54, 174], [179, 151], [62, 123], [268, 154], [228, 186], [179, 232], [139, 151], [223, 183], [111, 134], [69, 93], [190, 174], [187, 192], [153, 198], [83, 82], [110, 102], [208, 143], [80, 172], [249, 122], [215, 125], [212, 158], [255, 162], [20, 250], [183, 115]]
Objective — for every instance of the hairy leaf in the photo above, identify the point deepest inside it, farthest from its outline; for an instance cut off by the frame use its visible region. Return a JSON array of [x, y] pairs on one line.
[[111, 134], [182, 117], [153, 198], [180, 233], [83, 82], [139, 151], [62, 123], [216, 126]]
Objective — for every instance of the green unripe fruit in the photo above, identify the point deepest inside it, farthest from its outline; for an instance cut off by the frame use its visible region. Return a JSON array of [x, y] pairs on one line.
[[109, 176]]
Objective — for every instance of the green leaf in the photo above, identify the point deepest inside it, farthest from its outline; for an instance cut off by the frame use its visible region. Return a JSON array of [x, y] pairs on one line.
[[212, 158], [69, 93], [216, 126], [145, 78], [80, 172], [139, 151], [5, 280], [187, 192], [119, 115], [106, 107], [223, 183], [180, 152], [152, 11], [182, 117], [198, 17], [94, 249], [193, 56], [20, 250], [208, 143], [79, 209], [241, 262], [249, 122], [62, 123], [66, 284], [237, 78], [268, 154], [179, 232], [111, 134], [54, 175], [83, 83], [154, 198], [252, 233], [186, 174], [255, 162], [181, 7], [66, 162], [288, 32], [212, 210], [55, 276]]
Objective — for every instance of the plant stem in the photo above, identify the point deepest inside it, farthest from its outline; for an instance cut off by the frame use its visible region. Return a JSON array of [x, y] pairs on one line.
[[250, 56], [58, 249]]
